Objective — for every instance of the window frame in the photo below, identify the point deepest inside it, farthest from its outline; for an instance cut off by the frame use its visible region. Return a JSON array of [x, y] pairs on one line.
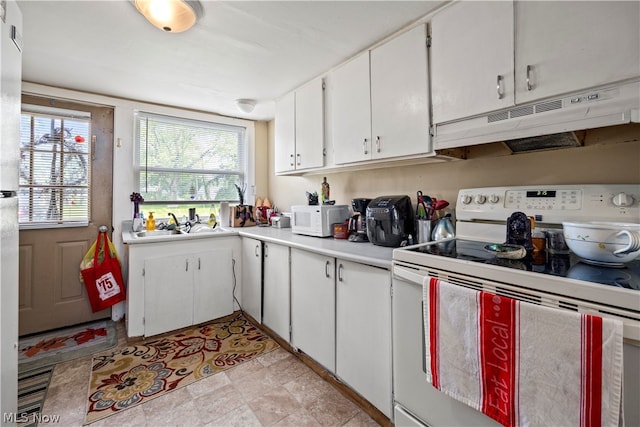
[[245, 162], [55, 113]]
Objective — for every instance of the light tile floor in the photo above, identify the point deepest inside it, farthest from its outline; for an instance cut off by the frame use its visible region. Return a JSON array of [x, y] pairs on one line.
[[275, 389]]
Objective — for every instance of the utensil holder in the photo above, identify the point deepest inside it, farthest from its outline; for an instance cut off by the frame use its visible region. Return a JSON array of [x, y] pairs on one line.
[[424, 228]]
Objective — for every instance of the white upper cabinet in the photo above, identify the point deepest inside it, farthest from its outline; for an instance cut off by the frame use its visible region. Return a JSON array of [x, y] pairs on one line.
[[471, 59], [310, 125], [380, 105], [351, 109], [568, 46], [299, 129], [285, 133], [486, 56], [400, 96]]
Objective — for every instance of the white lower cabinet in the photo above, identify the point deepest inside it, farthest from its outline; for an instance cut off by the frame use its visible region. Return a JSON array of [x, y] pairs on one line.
[[212, 302], [185, 290], [313, 296], [251, 296], [173, 285], [276, 301], [341, 317], [168, 296], [363, 332]]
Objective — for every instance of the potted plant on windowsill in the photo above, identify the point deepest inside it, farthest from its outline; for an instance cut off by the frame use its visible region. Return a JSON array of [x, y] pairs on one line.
[[242, 215]]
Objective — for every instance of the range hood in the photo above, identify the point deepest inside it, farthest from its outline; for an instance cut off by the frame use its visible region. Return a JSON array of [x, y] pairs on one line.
[[607, 106]]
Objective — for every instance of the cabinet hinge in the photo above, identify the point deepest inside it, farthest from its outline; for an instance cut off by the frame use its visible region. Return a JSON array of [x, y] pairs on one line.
[[428, 40], [432, 131], [324, 152], [143, 320], [143, 272], [324, 85]]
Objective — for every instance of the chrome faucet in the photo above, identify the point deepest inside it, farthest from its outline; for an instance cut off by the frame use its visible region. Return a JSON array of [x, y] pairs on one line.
[[175, 220]]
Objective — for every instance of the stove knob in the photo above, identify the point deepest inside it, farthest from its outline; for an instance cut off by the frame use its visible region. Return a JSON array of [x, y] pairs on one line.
[[465, 199], [493, 199], [480, 199], [622, 200]]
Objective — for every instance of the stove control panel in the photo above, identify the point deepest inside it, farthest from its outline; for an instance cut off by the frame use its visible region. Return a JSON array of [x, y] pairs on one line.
[[552, 203]]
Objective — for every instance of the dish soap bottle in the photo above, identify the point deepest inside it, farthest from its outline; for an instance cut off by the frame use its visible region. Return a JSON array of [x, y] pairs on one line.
[[212, 220], [151, 222], [137, 223], [325, 190]]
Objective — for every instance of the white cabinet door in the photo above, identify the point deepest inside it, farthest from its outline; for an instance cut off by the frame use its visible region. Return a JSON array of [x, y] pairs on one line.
[[313, 292], [309, 125], [285, 133], [399, 96], [276, 295], [472, 59], [168, 296], [351, 111], [193, 284], [570, 46], [252, 278], [363, 332], [213, 285]]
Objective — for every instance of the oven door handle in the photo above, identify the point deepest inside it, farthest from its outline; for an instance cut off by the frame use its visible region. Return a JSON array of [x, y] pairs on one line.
[[409, 274], [415, 276]]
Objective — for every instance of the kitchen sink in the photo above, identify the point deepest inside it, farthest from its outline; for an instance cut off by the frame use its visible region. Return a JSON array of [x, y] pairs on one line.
[[198, 231], [158, 233]]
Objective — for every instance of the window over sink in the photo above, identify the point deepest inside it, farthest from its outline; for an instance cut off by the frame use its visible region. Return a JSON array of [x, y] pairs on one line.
[[184, 163]]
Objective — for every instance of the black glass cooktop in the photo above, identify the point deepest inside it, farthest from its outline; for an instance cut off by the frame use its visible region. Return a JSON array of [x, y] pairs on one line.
[[565, 265]]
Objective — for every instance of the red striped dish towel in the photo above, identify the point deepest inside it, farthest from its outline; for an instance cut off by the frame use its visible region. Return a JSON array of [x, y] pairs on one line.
[[522, 364]]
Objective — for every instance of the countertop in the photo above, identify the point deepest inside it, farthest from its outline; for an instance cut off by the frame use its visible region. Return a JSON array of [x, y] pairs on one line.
[[362, 252], [365, 253]]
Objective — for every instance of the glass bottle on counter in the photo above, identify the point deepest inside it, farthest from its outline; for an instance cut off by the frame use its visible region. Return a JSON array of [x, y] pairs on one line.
[[325, 190]]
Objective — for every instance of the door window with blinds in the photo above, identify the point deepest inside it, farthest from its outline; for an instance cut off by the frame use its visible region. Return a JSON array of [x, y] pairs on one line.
[[55, 167], [184, 163]]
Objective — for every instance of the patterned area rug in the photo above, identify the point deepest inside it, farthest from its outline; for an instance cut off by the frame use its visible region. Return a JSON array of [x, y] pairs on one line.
[[135, 374], [60, 345]]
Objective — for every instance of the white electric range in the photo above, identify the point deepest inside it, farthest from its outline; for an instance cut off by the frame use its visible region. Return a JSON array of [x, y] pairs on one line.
[[561, 281]]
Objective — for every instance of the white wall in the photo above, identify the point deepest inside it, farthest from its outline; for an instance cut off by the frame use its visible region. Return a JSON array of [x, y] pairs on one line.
[[610, 155], [123, 150]]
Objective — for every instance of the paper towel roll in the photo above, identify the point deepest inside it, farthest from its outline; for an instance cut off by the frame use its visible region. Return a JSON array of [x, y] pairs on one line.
[[224, 214]]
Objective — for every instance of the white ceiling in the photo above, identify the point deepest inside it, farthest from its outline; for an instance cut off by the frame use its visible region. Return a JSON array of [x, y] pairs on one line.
[[239, 49]]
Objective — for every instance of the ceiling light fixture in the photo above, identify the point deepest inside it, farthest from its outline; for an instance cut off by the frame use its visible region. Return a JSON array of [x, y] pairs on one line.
[[245, 105], [172, 16]]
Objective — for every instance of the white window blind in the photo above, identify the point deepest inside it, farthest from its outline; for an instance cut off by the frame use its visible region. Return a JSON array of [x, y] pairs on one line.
[[183, 161], [55, 167]]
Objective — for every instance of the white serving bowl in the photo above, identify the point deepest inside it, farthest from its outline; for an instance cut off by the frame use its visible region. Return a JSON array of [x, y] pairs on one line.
[[606, 243]]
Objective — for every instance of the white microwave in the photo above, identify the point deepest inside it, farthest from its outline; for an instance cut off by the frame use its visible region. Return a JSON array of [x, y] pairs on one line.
[[317, 220]]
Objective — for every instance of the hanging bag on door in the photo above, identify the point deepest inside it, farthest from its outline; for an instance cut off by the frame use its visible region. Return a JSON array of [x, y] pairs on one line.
[[102, 277]]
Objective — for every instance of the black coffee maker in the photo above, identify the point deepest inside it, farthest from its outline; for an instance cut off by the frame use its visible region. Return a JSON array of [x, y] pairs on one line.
[[390, 221], [358, 222]]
